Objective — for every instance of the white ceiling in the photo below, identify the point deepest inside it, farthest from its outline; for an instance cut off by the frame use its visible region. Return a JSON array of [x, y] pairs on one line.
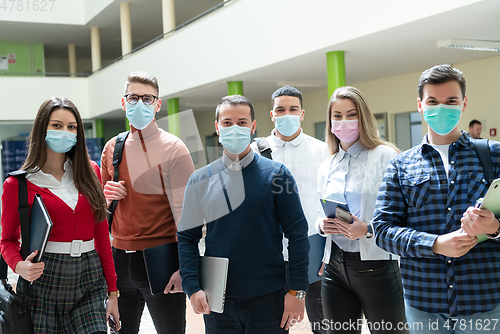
[[404, 49]]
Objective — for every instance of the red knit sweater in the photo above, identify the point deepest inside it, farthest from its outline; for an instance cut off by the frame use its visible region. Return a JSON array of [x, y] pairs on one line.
[[68, 225]]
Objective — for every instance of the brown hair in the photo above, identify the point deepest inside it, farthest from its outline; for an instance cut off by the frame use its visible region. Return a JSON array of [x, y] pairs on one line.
[[368, 130], [143, 77], [86, 180], [440, 74], [235, 100]]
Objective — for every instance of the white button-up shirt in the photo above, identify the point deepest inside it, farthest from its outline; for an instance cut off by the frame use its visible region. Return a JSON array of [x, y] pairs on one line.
[[302, 156], [345, 184], [65, 190]]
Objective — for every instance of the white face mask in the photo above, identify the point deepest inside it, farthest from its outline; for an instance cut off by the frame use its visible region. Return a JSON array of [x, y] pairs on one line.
[[140, 115], [235, 139], [287, 125]]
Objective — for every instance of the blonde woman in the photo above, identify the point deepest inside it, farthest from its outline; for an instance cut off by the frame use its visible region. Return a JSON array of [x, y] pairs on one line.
[[359, 277]]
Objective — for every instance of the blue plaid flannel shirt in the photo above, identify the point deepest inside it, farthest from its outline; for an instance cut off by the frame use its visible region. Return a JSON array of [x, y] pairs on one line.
[[416, 204]]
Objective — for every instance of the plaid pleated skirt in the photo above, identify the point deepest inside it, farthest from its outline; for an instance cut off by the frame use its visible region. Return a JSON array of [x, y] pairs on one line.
[[69, 296]]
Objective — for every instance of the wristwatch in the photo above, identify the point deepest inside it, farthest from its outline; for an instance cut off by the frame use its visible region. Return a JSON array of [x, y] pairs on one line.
[[497, 233], [114, 293], [299, 294], [369, 231]]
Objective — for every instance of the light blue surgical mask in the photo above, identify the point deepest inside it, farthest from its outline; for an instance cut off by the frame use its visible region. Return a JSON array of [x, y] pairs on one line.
[[287, 125], [60, 141], [442, 118], [235, 139], [140, 115]]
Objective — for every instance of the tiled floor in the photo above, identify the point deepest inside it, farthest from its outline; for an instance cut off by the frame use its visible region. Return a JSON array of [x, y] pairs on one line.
[[194, 321]]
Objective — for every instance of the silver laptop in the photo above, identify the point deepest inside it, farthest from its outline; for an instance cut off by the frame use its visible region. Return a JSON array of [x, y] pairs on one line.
[[213, 278]]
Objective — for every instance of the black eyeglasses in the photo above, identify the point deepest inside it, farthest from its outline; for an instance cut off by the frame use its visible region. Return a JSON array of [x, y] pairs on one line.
[[146, 98]]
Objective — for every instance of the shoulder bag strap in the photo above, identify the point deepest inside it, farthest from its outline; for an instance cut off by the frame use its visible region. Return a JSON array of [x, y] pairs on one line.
[[264, 148], [24, 210], [117, 159], [482, 148]]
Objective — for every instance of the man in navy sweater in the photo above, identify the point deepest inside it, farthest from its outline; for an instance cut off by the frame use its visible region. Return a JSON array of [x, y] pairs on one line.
[[248, 203]]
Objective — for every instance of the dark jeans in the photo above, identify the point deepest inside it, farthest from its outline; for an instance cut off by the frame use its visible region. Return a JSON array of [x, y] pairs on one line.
[[255, 315], [314, 307], [351, 287], [168, 311]]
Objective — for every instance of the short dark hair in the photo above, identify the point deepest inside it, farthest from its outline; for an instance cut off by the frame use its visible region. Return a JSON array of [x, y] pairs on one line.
[[440, 74], [235, 100], [143, 77], [287, 91], [474, 122]]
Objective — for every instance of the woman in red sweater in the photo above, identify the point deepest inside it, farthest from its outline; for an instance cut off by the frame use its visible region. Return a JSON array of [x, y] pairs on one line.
[[76, 273]]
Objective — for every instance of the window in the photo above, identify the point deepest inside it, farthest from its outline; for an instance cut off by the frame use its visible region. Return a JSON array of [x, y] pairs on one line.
[[408, 130]]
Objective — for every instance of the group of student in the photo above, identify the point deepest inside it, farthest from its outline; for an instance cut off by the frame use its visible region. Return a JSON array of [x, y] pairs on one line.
[[409, 261]]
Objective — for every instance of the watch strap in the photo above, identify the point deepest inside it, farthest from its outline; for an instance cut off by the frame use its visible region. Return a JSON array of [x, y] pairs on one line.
[[497, 233]]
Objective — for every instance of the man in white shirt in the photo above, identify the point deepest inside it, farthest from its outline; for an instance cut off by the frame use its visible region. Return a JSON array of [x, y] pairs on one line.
[[302, 155]]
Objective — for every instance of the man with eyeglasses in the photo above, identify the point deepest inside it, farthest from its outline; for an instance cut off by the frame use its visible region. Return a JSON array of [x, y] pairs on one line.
[[153, 173]]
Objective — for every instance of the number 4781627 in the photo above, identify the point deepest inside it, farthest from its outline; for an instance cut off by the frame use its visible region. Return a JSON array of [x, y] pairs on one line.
[[27, 5], [472, 325]]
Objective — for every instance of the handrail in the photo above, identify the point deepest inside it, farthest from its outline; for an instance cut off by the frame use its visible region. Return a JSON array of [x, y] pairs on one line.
[[68, 74]]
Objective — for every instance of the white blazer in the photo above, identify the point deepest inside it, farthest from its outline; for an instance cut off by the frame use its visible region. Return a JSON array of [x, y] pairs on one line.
[[378, 160]]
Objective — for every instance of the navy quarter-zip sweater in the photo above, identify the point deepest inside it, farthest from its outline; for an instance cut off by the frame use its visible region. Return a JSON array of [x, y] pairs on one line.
[[247, 213]]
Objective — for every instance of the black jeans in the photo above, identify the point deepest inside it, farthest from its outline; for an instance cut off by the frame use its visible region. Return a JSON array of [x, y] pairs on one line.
[[351, 287], [167, 311], [314, 307], [255, 315]]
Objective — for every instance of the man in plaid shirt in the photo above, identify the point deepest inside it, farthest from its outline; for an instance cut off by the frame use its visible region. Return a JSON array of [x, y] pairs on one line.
[[425, 213]]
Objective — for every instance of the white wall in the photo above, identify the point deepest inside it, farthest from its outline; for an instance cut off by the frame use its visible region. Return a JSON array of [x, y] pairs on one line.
[[399, 94], [26, 94]]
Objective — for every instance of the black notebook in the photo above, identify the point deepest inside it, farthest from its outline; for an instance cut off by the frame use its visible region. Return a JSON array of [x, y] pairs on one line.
[[40, 227], [316, 251], [161, 262]]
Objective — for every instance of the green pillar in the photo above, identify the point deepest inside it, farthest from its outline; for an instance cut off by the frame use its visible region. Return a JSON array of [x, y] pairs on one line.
[[99, 128], [235, 88], [127, 124], [335, 67], [174, 125]]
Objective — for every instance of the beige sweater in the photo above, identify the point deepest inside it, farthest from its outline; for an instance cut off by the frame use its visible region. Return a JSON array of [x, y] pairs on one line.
[[155, 166]]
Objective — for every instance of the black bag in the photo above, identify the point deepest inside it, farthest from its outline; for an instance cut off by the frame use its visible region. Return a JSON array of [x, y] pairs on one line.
[[117, 159], [14, 317], [263, 146]]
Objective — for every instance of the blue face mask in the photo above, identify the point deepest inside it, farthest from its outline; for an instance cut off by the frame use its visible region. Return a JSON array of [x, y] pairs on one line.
[[140, 114], [287, 125], [60, 141], [235, 139], [442, 118]]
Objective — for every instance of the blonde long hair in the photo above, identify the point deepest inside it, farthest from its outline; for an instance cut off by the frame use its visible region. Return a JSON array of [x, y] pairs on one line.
[[368, 130]]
